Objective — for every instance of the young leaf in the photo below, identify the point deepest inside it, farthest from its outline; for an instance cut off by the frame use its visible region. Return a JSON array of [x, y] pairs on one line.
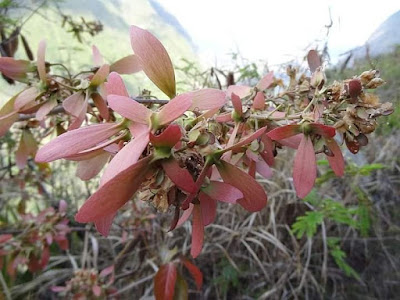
[[304, 168], [164, 282], [195, 272]]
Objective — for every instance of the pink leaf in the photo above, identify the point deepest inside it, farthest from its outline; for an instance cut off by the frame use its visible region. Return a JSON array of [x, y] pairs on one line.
[[197, 231], [128, 65], [336, 161], [268, 152], [248, 139], [208, 208], [114, 193], [266, 81], [174, 109], [97, 57], [74, 104], [164, 282], [254, 197], [314, 61], [41, 63], [75, 141], [7, 116], [222, 192], [263, 169], [206, 99], [103, 225], [46, 108], [27, 147], [237, 104], [25, 97], [284, 132], [129, 108], [154, 60], [240, 90], [126, 157], [168, 138], [87, 169], [15, 69], [324, 130], [96, 290], [259, 101], [223, 118], [305, 167], [115, 85], [100, 76], [181, 177], [195, 272], [292, 142], [107, 271]]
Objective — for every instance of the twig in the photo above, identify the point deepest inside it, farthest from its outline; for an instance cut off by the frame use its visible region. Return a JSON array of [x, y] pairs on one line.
[[5, 287]]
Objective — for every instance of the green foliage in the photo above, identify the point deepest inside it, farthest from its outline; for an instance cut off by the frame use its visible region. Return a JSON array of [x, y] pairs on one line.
[[307, 224], [339, 257], [229, 276]]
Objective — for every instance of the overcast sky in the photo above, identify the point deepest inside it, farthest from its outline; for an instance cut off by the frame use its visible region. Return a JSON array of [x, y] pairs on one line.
[[277, 30]]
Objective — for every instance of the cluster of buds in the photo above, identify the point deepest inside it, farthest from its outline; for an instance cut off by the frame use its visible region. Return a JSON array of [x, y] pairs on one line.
[[87, 284], [31, 247], [206, 146]]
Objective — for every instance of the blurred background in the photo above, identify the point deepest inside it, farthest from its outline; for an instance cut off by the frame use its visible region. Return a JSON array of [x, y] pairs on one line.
[[350, 253]]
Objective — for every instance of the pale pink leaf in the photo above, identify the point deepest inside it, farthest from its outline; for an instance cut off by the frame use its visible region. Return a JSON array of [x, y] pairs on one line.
[[87, 169], [314, 61], [101, 105], [129, 108], [266, 81], [100, 76], [75, 141], [127, 65], [174, 109], [126, 157], [237, 104], [113, 194], [197, 231], [154, 60], [15, 69], [25, 97], [206, 99], [259, 101], [223, 118], [46, 108], [208, 208], [115, 85], [41, 63], [7, 116], [74, 104], [304, 168], [336, 161], [263, 169], [240, 90], [164, 282], [180, 176], [97, 57], [222, 191], [254, 197]]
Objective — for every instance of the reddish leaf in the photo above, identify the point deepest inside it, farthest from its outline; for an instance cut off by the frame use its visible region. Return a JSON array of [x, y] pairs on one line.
[[25, 97], [266, 81], [206, 99], [7, 116], [101, 105], [186, 214], [292, 142], [5, 237], [284, 132], [27, 147], [75, 141], [114, 193], [195, 272], [240, 90], [223, 118], [115, 85], [41, 63], [314, 61], [259, 101], [154, 60], [268, 152], [247, 140], [237, 104], [254, 197], [168, 138], [103, 225], [336, 161], [87, 169], [222, 192], [324, 130], [128, 65], [197, 231], [305, 167], [46, 108], [174, 109], [181, 177], [129, 108], [164, 282], [208, 208], [354, 88], [74, 104]]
